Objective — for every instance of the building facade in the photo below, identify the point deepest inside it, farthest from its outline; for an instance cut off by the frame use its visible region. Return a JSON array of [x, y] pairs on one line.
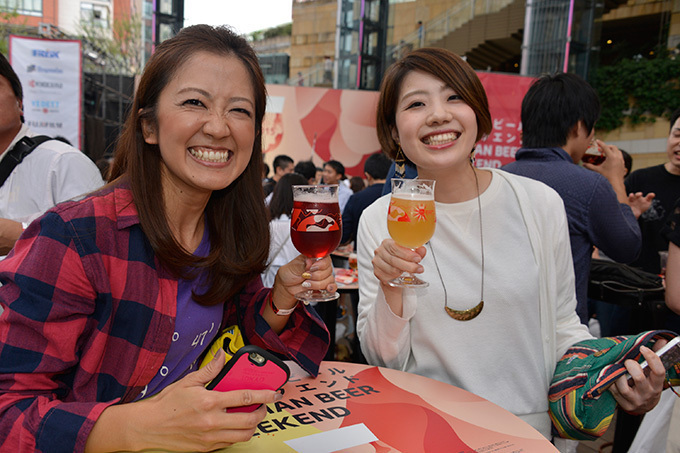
[[513, 36]]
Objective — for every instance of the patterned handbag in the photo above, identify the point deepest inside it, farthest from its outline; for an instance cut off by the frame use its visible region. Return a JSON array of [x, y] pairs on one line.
[[579, 405]]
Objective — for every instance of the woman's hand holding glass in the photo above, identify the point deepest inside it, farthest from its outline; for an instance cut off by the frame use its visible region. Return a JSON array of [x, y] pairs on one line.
[[390, 260], [315, 229], [302, 274], [411, 221]]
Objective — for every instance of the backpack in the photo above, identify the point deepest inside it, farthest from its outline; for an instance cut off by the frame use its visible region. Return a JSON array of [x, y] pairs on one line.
[[624, 285], [17, 154]]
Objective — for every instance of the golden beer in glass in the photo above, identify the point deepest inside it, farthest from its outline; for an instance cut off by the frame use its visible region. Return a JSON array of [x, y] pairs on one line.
[[411, 220]]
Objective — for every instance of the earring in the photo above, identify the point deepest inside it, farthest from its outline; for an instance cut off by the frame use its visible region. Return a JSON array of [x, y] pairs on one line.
[[472, 157], [400, 163]]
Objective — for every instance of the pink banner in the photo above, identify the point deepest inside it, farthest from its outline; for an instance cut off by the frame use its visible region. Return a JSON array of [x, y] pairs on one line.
[[505, 93], [323, 124]]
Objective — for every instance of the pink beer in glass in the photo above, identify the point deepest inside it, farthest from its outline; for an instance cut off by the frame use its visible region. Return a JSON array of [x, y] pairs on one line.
[[316, 228]]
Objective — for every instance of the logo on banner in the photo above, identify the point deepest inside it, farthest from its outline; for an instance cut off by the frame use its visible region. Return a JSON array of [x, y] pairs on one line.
[[35, 68], [45, 106], [45, 125], [41, 53], [38, 84]]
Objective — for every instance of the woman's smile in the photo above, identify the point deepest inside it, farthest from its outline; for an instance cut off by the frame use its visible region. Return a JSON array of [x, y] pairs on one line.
[[209, 155], [441, 139]]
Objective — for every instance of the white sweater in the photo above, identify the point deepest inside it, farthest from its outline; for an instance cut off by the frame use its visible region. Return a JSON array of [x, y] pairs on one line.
[[281, 248], [508, 353]]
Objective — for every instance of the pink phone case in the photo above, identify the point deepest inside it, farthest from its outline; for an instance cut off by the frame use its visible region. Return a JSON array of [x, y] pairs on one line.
[[251, 368]]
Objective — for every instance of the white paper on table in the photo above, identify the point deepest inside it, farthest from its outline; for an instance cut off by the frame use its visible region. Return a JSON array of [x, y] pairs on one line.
[[329, 441]]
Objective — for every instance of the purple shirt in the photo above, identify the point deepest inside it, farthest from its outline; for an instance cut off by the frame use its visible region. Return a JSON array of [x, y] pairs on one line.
[[195, 328]]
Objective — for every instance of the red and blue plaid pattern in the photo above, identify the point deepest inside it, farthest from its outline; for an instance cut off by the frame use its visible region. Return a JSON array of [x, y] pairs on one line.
[[89, 316]]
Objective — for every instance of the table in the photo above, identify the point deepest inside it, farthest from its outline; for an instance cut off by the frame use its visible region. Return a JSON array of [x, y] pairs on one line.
[[361, 408], [342, 252], [346, 279]]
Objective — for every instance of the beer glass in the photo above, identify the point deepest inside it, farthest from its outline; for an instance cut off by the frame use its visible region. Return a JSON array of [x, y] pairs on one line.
[[594, 154], [411, 220], [316, 229]]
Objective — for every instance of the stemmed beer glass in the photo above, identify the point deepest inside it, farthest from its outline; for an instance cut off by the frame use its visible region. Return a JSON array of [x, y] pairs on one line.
[[411, 220], [316, 229]]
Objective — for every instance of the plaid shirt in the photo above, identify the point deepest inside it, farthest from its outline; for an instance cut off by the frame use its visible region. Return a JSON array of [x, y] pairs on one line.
[[89, 317]]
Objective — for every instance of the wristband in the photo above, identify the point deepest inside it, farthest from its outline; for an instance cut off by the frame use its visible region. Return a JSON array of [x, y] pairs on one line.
[[281, 311]]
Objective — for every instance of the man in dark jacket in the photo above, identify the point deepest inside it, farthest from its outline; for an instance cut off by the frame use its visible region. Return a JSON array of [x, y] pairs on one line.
[[559, 113]]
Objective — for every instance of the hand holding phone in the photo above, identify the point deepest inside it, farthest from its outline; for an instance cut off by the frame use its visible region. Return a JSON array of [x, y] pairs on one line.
[[252, 368], [669, 355]]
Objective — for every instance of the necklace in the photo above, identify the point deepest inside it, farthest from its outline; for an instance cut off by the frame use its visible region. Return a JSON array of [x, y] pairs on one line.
[[470, 313]]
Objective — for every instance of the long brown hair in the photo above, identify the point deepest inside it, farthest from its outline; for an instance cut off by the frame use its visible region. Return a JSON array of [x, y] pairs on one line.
[[282, 196], [236, 216], [446, 66]]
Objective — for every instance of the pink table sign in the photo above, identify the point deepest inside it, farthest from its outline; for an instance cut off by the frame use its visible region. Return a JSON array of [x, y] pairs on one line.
[[351, 407]]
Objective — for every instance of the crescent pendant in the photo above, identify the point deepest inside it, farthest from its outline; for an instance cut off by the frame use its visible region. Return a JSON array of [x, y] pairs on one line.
[[466, 315]]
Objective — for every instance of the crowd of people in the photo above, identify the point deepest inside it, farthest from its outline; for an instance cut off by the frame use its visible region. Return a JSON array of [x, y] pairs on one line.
[[112, 292]]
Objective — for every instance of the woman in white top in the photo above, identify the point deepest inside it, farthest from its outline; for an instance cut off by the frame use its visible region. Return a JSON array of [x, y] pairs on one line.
[[499, 238], [281, 248]]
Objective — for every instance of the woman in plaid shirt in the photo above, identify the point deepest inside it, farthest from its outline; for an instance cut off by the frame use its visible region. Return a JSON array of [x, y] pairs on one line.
[[113, 299]]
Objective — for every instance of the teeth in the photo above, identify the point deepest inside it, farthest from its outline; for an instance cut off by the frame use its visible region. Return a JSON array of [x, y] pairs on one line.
[[440, 139], [209, 155]]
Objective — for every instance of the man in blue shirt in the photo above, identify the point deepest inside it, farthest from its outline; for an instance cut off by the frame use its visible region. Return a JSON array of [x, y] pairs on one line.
[[376, 167], [559, 113]]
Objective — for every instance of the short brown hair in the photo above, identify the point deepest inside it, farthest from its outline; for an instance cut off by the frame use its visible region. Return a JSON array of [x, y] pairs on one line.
[[236, 215], [444, 65]]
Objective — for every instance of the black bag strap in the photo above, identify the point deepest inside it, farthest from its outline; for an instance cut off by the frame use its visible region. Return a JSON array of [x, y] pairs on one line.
[[15, 155], [622, 294]]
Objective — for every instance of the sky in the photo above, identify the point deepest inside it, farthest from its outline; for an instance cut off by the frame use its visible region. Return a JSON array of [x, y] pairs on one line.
[[245, 16]]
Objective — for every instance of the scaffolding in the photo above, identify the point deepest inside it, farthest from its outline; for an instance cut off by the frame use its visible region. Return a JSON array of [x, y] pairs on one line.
[[559, 36], [361, 43]]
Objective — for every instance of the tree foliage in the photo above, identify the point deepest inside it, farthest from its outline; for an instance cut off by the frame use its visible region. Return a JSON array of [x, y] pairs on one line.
[[279, 30], [10, 23], [637, 89], [117, 46]]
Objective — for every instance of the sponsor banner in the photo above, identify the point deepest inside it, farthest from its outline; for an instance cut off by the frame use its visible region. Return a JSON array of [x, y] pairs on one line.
[[50, 72], [324, 124]]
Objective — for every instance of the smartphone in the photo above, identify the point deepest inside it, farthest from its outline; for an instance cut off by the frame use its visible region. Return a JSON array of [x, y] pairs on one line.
[[251, 367], [669, 355]]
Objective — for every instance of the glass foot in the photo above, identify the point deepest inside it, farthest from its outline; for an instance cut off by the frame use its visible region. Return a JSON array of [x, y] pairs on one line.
[[316, 295], [407, 280]]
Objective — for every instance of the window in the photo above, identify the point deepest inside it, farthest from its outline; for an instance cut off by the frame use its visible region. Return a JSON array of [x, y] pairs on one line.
[[165, 32], [95, 14], [26, 7], [165, 7], [148, 8]]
